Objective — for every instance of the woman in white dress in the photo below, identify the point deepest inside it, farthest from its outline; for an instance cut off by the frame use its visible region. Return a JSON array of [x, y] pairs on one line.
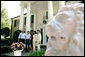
[[35, 43], [39, 38], [36, 40]]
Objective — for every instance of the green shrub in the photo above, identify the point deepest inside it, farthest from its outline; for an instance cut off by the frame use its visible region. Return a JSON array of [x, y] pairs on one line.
[[16, 34], [7, 41], [5, 44], [38, 53], [5, 31], [5, 48]]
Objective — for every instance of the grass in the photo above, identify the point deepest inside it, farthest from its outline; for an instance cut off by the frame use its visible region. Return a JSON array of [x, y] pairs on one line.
[[2, 37], [38, 53]]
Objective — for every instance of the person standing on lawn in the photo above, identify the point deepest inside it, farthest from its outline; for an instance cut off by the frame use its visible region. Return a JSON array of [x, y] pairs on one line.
[[32, 33], [22, 36], [39, 39], [28, 38], [35, 43]]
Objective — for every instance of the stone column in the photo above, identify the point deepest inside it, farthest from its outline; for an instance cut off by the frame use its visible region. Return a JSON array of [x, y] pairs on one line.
[[50, 10], [28, 28], [21, 24], [61, 4]]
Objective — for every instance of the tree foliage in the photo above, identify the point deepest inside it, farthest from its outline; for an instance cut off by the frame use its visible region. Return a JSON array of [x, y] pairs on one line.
[[5, 31], [5, 21], [16, 34], [4, 14]]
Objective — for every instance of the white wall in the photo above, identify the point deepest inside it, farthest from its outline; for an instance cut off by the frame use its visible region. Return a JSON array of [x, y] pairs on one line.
[[39, 18], [40, 14]]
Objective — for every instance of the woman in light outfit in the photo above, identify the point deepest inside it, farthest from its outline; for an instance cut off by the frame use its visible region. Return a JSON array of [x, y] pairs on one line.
[[36, 40]]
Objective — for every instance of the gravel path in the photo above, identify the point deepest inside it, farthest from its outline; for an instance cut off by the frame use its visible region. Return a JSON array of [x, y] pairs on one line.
[[12, 54]]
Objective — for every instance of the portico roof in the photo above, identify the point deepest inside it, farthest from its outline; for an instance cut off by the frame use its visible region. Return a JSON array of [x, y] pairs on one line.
[[17, 16], [40, 5]]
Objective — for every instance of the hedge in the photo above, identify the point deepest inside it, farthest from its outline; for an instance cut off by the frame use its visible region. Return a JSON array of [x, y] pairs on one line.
[[7, 41], [16, 34], [5, 48]]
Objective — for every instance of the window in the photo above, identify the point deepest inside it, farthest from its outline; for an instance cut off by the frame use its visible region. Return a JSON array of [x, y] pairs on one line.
[[32, 19], [15, 23], [25, 21]]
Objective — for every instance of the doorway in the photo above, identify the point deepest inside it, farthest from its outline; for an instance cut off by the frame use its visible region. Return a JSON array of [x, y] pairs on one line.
[[41, 36]]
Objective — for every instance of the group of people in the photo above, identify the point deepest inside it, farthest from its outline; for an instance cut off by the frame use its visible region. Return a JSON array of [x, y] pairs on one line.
[[30, 38]]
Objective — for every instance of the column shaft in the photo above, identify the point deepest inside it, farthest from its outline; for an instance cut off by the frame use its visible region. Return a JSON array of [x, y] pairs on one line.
[[28, 28], [21, 24], [50, 10]]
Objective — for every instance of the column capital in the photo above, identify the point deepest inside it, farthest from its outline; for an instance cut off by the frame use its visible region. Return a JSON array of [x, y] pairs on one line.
[[61, 4], [49, 1], [28, 4]]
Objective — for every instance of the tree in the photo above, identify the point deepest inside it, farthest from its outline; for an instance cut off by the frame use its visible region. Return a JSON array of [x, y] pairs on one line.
[[5, 31], [16, 34], [4, 14], [5, 21]]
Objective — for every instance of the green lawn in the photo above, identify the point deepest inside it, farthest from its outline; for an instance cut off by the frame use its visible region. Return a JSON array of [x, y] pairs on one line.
[[2, 37], [38, 53]]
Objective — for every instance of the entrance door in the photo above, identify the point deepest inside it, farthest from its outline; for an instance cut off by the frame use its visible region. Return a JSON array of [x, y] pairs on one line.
[[41, 36]]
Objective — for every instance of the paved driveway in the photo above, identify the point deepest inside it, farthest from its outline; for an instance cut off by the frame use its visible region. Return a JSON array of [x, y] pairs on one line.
[[11, 54]]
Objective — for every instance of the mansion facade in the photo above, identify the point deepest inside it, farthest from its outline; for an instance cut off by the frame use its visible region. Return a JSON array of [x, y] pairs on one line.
[[37, 16]]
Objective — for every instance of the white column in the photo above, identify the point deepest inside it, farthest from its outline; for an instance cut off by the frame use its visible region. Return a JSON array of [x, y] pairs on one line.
[[21, 23], [61, 4], [50, 10], [44, 36], [28, 17]]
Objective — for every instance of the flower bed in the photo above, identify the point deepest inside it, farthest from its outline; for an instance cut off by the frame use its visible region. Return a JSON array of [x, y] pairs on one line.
[[17, 46]]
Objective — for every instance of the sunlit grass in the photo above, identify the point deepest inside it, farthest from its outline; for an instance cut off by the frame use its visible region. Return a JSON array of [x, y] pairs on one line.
[[2, 37], [38, 53]]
